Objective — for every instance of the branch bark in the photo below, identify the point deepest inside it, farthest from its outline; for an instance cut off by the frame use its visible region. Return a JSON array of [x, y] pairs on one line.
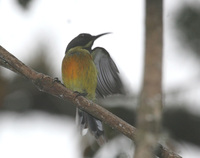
[[150, 107], [49, 85]]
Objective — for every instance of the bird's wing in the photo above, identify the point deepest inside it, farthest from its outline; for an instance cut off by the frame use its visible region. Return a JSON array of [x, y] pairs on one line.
[[109, 81]]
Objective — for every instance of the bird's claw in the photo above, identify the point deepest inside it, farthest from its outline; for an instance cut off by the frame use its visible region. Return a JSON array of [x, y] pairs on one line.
[[79, 94], [56, 79]]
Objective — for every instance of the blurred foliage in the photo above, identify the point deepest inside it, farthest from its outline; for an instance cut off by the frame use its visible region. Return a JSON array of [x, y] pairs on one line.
[[24, 3], [182, 125], [187, 23]]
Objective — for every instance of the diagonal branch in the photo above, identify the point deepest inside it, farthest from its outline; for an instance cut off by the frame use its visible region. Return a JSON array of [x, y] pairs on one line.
[[49, 85]]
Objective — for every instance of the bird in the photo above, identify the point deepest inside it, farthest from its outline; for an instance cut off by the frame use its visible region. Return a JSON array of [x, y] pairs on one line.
[[93, 74]]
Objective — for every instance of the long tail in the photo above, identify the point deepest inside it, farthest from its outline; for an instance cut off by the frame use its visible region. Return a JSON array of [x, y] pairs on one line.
[[87, 121]]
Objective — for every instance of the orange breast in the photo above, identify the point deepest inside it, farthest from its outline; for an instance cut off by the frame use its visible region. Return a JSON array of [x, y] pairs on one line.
[[71, 67], [74, 66], [79, 73]]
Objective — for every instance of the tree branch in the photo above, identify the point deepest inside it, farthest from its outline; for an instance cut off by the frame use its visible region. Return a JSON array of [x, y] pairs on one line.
[[49, 85], [150, 106]]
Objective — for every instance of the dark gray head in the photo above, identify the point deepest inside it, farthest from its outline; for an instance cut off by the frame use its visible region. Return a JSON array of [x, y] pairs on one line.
[[83, 40]]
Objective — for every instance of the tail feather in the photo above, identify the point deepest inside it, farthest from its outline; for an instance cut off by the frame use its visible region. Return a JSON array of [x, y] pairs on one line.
[[87, 121]]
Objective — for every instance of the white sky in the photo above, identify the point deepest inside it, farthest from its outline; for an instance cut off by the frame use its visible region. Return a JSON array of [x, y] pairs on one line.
[[56, 22]]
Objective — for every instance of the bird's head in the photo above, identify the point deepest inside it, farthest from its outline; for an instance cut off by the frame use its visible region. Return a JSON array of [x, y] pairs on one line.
[[83, 40]]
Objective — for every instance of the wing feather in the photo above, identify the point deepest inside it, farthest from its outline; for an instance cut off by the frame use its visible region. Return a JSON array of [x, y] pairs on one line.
[[109, 81]]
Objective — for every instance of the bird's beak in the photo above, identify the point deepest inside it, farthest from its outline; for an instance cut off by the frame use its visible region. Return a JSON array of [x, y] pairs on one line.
[[95, 37], [89, 45]]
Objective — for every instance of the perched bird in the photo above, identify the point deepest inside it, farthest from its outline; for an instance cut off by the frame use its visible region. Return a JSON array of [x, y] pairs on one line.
[[91, 73]]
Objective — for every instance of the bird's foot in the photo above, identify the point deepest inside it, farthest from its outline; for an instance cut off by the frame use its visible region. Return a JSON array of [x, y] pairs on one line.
[[79, 94], [56, 79]]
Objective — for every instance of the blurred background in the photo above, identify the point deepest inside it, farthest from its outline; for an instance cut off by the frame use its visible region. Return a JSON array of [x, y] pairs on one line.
[[35, 124]]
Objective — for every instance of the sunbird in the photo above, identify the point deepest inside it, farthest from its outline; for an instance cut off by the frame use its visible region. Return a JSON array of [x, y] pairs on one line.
[[93, 74]]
